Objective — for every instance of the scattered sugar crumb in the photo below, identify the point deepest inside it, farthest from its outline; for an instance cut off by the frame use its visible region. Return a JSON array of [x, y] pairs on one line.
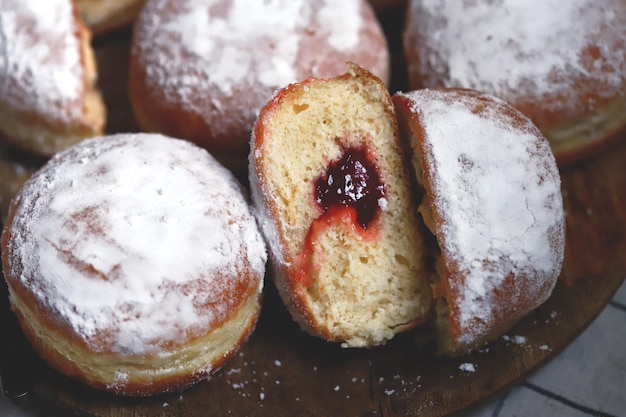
[[467, 367], [544, 347], [389, 391], [336, 388], [166, 404], [278, 363], [518, 340], [262, 396]]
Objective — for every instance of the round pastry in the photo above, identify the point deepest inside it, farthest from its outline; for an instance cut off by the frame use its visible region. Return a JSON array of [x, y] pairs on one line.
[[103, 16], [339, 218], [48, 99], [492, 198], [562, 64], [202, 69], [133, 263]]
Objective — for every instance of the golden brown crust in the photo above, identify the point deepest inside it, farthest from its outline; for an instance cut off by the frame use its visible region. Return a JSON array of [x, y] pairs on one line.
[[570, 82], [143, 375], [45, 131], [481, 294], [176, 86], [168, 318]]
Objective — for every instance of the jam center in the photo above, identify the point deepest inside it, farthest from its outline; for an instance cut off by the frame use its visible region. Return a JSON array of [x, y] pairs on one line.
[[352, 181]]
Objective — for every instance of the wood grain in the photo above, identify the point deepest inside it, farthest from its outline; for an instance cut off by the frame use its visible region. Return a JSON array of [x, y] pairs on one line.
[[282, 372]]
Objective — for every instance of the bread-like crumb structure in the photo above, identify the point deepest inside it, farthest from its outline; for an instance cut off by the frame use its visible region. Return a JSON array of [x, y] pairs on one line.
[[364, 286]]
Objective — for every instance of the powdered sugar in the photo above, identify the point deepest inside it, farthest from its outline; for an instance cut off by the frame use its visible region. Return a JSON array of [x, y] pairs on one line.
[[467, 367], [136, 239], [517, 49], [223, 44], [497, 190], [40, 68], [340, 20], [222, 60]]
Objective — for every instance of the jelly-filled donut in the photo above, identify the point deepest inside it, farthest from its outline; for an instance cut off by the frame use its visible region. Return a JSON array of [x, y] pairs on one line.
[[492, 199], [133, 263], [48, 95], [562, 64], [202, 69], [333, 199]]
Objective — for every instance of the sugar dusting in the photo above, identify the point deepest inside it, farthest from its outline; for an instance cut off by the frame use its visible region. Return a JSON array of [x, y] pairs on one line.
[[40, 69], [513, 48], [132, 238], [497, 189], [203, 55], [208, 42]]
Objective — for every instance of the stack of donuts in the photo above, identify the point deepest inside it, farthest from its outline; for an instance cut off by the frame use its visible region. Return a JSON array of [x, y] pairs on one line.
[[268, 137]]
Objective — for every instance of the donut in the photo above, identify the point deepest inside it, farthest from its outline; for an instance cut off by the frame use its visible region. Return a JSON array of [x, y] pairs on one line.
[[202, 69], [105, 16], [491, 200], [338, 219], [133, 263], [562, 64], [48, 95]]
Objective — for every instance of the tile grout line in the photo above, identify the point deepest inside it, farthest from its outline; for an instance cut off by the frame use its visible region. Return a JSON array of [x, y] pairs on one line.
[[566, 401]]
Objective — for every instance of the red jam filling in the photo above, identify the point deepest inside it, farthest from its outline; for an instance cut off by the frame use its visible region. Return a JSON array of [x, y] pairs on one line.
[[349, 193], [352, 181]]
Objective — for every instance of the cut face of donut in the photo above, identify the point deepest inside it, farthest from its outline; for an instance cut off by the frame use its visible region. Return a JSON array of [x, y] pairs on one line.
[[333, 195]]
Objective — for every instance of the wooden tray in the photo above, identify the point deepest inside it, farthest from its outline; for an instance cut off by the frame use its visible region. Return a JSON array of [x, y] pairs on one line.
[[282, 371]]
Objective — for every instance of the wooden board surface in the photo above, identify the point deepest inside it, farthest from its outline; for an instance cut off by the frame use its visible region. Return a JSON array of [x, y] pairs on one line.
[[283, 372]]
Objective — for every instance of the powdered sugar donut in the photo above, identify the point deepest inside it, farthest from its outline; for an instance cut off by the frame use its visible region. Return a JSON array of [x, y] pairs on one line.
[[133, 263], [48, 99], [563, 64], [492, 198], [202, 69]]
